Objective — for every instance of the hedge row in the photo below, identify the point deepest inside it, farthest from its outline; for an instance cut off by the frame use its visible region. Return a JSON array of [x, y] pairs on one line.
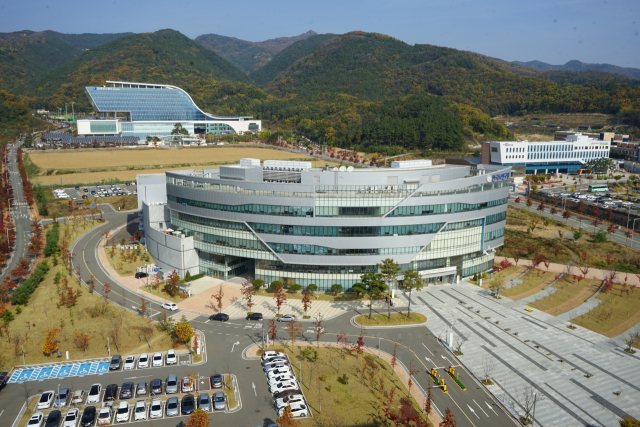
[[28, 287], [52, 239]]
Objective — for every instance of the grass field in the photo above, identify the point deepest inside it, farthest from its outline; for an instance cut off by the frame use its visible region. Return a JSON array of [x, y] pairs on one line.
[[359, 400], [533, 282], [126, 266], [570, 295], [617, 313], [396, 319], [158, 292]]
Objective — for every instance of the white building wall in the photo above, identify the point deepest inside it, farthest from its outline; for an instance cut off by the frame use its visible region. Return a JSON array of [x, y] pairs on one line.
[[152, 188]]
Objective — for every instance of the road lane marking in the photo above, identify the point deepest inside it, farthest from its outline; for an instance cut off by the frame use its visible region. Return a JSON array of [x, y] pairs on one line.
[[491, 408], [427, 349], [474, 401]]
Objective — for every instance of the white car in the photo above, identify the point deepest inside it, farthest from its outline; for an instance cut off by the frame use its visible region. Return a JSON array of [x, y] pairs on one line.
[[129, 363], [277, 372], [104, 416], [36, 420], [288, 400], [283, 386], [45, 399], [272, 366], [298, 410], [274, 360], [626, 203], [157, 359], [170, 306], [72, 418], [281, 378], [156, 409], [287, 318], [94, 393], [143, 361], [171, 357], [140, 411], [122, 413], [269, 354]]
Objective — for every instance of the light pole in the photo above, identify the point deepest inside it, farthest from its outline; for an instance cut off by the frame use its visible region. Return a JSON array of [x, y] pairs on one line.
[[23, 362], [73, 114], [300, 363]]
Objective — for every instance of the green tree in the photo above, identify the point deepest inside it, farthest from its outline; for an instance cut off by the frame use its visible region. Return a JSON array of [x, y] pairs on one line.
[[600, 236], [7, 316], [412, 281], [179, 130], [295, 287], [257, 284], [312, 287], [577, 234], [336, 289], [375, 286], [389, 270], [359, 288]]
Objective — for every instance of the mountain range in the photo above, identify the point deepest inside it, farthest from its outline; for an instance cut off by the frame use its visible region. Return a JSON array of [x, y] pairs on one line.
[[361, 90], [577, 66]]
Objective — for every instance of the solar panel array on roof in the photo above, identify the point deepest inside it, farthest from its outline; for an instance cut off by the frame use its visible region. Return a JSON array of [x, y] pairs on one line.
[[67, 138]]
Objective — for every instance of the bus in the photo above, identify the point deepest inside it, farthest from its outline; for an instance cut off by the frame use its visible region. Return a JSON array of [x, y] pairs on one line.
[[599, 188]]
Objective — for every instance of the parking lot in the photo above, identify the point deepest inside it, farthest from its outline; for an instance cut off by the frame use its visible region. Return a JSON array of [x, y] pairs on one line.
[[96, 191], [604, 200]]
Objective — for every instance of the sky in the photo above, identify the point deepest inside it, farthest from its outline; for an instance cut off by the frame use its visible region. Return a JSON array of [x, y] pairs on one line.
[[593, 31]]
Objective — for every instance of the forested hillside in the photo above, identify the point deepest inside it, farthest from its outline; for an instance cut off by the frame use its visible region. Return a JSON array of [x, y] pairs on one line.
[[576, 66], [15, 117], [165, 56], [88, 40], [287, 57], [27, 54]]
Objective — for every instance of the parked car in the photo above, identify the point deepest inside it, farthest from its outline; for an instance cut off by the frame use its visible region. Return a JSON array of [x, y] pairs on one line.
[[62, 398], [4, 376], [141, 275], [155, 411], [116, 361], [94, 393], [285, 393], [141, 389], [218, 401], [280, 371], [287, 400], [110, 393], [157, 359], [187, 385], [268, 354], [216, 381], [77, 396], [53, 419], [143, 361], [171, 357], [140, 411], [171, 407], [254, 316], [126, 392], [220, 317], [35, 420], [88, 416], [45, 400], [271, 366], [171, 386], [275, 359], [170, 306], [281, 378], [204, 402], [122, 413], [156, 386], [104, 416], [298, 410], [71, 419], [129, 363], [188, 404], [287, 318], [283, 386]]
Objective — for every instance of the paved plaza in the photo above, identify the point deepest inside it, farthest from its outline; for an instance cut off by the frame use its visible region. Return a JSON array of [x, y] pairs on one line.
[[584, 378]]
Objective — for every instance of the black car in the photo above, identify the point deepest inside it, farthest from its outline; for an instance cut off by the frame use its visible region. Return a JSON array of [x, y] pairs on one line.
[[254, 316], [110, 393], [220, 316], [116, 361], [156, 386], [285, 393], [4, 376], [140, 275], [126, 392], [53, 419], [216, 381], [88, 416], [188, 404], [86, 190]]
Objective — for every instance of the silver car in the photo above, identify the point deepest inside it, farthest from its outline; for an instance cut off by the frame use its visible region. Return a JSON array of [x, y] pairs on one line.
[[204, 402], [172, 407], [218, 401], [171, 386], [62, 398]]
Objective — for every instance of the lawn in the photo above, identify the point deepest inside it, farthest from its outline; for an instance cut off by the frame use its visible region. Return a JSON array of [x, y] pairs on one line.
[[127, 261], [231, 397], [545, 239], [68, 207], [158, 292], [570, 295], [617, 313], [396, 319], [359, 400], [533, 282], [321, 296]]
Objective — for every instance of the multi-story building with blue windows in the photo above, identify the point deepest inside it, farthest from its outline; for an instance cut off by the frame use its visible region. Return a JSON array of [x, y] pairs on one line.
[[290, 222], [143, 110], [546, 156]]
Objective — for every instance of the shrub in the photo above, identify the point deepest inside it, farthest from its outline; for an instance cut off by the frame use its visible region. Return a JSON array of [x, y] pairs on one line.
[[22, 294], [312, 287], [295, 287], [344, 379], [600, 236], [336, 289], [257, 284], [52, 235], [275, 284]]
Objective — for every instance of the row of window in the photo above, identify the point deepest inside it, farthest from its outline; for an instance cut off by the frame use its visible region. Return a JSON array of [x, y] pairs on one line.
[[463, 224], [305, 211], [580, 155], [288, 248], [492, 219], [300, 230], [493, 235], [444, 208]]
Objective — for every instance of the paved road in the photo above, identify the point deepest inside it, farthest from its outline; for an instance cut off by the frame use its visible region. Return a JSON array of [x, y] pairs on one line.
[[19, 212]]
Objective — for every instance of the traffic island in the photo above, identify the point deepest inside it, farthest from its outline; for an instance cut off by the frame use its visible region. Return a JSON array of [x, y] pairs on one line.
[[397, 319]]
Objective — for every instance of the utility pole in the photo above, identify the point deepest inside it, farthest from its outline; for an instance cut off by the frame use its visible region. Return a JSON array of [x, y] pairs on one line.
[[73, 114], [65, 112]]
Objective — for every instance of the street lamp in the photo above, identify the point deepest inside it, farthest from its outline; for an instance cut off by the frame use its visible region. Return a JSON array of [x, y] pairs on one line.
[[23, 362]]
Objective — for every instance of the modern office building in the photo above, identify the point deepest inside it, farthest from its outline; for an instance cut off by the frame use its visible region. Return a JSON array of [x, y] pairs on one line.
[[152, 110], [546, 156], [291, 222]]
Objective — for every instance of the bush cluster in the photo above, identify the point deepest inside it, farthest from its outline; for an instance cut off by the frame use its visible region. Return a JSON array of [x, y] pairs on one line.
[[52, 235], [28, 287]]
